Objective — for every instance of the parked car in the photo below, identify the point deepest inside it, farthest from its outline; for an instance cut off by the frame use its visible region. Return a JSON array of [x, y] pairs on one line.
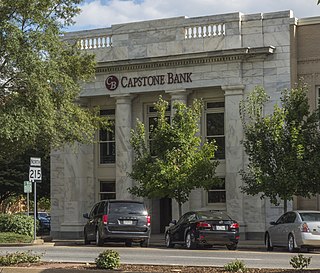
[[118, 221], [294, 230], [44, 221], [205, 228]]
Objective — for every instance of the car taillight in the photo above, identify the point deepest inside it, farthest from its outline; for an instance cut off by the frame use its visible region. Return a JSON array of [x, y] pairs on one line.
[[203, 225], [234, 225], [148, 220], [105, 219], [304, 228]]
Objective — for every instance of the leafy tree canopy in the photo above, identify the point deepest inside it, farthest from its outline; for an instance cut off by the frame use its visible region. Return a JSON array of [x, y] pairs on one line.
[[40, 77], [175, 162], [283, 147]]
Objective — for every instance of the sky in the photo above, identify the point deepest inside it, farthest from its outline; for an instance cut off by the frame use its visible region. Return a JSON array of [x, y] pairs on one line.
[[104, 13]]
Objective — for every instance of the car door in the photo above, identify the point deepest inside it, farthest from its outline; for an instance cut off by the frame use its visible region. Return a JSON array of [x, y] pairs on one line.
[[91, 224], [276, 230], [179, 228], [282, 229]]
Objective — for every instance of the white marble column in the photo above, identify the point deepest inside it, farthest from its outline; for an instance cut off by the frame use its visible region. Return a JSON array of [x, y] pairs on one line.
[[123, 124], [234, 152]]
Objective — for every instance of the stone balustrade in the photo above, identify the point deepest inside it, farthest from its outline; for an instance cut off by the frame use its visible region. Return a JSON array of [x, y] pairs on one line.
[[205, 31], [97, 42]]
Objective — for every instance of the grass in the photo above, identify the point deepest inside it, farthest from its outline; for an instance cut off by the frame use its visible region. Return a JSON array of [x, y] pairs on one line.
[[11, 238]]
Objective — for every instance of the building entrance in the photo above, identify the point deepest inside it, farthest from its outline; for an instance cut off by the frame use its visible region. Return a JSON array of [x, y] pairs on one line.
[[165, 213]]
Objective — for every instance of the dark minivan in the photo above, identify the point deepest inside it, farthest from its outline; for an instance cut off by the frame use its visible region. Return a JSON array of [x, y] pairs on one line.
[[118, 221]]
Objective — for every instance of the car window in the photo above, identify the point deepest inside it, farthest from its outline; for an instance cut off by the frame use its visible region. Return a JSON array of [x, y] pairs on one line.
[[94, 210], [191, 217], [183, 218], [101, 208], [127, 208], [310, 216], [212, 215], [282, 219], [291, 217]]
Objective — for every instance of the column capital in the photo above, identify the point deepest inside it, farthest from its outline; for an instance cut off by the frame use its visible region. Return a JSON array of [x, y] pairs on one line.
[[229, 90], [178, 95], [123, 98]]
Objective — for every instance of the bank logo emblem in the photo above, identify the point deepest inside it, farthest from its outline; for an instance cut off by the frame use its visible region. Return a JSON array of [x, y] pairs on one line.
[[112, 83]]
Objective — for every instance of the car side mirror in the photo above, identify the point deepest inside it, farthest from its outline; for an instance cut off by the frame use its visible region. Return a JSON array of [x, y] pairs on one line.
[[86, 215], [273, 223], [173, 222]]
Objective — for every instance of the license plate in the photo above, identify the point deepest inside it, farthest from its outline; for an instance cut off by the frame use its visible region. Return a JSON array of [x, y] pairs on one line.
[[220, 227], [127, 222]]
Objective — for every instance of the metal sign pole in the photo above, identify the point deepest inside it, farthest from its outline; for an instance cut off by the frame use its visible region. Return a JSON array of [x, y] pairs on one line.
[[28, 208], [35, 211]]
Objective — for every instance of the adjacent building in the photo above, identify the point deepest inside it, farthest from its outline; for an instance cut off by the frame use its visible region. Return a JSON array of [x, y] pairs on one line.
[[218, 58]]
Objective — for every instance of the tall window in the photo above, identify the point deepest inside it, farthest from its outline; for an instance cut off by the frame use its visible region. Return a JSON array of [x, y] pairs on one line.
[[217, 194], [214, 126], [107, 190], [107, 143], [152, 123]]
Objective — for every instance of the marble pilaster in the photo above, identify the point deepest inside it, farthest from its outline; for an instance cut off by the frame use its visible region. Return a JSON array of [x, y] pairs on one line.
[[234, 152], [123, 148]]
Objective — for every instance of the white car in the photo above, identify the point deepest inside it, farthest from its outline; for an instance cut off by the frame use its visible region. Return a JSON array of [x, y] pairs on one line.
[[294, 230]]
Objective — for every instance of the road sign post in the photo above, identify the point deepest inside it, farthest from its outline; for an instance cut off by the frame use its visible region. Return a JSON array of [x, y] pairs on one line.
[[35, 176]]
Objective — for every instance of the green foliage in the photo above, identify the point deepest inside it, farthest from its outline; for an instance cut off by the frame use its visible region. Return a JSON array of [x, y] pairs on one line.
[[10, 238], [108, 259], [300, 262], [40, 74], [236, 266], [16, 223], [176, 162], [19, 258], [283, 147]]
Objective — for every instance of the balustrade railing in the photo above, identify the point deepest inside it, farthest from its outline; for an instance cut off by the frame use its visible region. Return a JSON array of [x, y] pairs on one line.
[[204, 31], [95, 42]]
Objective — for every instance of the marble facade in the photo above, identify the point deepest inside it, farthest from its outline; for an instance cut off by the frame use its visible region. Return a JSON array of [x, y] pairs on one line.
[[216, 57]]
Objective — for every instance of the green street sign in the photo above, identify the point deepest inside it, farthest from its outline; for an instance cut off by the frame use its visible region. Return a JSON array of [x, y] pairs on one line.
[[27, 186]]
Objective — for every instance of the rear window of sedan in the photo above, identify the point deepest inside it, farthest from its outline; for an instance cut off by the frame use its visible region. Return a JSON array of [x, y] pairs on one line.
[[310, 216], [210, 215], [127, 208]]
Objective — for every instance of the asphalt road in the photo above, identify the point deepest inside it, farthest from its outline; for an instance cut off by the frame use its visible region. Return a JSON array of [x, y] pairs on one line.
[[164, 256]]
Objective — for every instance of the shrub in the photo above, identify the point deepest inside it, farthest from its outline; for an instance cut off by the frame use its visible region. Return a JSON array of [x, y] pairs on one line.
[[19, 258], [17, 223], [108, 259], [300, 262], [236, 266], [10, 237]]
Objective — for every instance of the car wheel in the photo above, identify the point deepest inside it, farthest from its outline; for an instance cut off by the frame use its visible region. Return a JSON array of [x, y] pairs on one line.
[[232, 246], [99, 241], [86, 241], [128, 243], [188, 241], [291, 243], [168, 241], [267, 241], [145, 243]]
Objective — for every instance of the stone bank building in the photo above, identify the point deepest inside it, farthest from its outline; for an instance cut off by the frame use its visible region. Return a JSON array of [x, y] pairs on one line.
[[218, 58]]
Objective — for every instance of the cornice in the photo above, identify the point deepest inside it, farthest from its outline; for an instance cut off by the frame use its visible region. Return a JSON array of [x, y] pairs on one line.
[[182, 60]]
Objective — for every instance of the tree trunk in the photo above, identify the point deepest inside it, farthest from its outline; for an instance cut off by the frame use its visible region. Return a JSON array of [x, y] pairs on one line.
[[285, 205], [180, 209]]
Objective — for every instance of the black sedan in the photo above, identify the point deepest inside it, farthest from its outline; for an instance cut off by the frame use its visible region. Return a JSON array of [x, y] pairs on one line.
[[206, 228]]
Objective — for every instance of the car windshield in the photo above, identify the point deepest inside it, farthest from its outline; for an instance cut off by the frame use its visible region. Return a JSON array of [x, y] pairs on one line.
[[212, 215], [310, 216], [131, 208]]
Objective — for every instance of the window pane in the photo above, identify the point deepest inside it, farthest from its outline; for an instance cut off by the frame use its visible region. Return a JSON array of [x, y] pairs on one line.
[[107, 187], [107, 196], [217, 104], [107, 112], [215, 124], [107, 152], [216, 197], [106, 135]]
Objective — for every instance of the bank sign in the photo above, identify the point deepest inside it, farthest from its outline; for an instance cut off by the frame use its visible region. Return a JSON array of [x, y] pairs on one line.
[[112, 82]]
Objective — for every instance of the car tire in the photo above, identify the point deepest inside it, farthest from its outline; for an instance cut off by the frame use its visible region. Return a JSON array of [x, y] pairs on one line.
[[168, 241], [145, 243], [232, 246], [267, 241], [291, 243], [99, 241], [86, 241], [128, 243], [188, 241]]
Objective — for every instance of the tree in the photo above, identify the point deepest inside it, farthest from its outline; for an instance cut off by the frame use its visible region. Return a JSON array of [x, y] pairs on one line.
[[174, 163], [40, 77], [283, 147]]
